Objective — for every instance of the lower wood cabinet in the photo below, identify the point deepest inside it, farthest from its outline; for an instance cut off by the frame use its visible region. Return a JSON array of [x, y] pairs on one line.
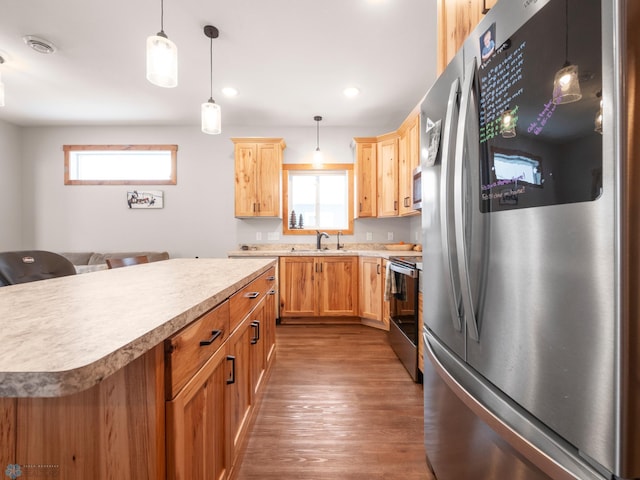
[[322, 286], [371, 294]]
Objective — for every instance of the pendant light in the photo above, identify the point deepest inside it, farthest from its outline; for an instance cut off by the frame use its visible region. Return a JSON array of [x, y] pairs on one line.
[[1, 85], [162, 57], [317, 155], [210, 111], [566, 85]]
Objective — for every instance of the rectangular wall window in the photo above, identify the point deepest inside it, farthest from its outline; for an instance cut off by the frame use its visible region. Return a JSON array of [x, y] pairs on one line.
[[120, 164]]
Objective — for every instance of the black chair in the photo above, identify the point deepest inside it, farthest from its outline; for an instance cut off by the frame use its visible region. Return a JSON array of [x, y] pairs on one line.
[[31, 265]]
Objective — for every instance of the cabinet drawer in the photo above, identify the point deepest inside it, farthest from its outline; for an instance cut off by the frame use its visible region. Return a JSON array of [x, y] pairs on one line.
[[245, 300], [188, 350]]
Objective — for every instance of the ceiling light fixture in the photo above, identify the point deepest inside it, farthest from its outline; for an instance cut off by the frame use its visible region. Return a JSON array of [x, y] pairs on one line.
[[317, 155], [566, 85], [351, 92], [1, 85], [211, 114], [40, 45], [230, 92], [162, 57]]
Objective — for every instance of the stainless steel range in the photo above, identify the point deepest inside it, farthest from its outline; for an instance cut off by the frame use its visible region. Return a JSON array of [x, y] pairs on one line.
[[402, 289]]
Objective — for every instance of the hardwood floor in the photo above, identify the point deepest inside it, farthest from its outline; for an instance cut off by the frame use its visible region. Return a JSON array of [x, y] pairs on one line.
[[338, 405]]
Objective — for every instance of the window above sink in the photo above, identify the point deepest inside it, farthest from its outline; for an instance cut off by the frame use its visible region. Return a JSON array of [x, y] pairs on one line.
[[317, 198]]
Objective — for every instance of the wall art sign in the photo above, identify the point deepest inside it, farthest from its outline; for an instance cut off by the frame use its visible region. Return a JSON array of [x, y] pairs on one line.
[[145, 199]]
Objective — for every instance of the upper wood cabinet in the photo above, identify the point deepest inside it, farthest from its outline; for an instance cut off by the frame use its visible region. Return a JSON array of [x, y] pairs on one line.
[[366, 177], [258, 165], [456, 20], [388, 175], [408, 160]]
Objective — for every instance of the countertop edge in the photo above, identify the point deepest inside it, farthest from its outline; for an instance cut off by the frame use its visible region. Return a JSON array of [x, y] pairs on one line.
[[63, 383]]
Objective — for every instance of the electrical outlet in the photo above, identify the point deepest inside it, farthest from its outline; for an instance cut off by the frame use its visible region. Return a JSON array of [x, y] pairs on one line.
[[369, 236], [273, 236], [417, 237], [258, 236], [389, 235]]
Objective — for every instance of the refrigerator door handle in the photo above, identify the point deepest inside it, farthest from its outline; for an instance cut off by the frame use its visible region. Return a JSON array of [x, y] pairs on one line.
[[453, 292], [459, 203]]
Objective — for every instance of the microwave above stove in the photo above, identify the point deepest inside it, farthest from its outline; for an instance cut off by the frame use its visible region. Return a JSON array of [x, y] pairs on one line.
[[416, 202]]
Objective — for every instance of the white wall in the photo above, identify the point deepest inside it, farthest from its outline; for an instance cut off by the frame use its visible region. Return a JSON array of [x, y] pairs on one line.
[[11, 198], [197, 218]]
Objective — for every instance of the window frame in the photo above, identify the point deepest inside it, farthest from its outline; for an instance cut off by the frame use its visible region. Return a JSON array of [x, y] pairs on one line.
[[286, 168], [173, 180]]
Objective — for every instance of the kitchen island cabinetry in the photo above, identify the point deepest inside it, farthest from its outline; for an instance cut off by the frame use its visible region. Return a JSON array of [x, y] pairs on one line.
[[322, 286], [136, 388], [258, 165]]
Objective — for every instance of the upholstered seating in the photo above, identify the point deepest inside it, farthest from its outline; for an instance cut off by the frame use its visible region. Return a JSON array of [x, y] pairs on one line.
[[31, 265]]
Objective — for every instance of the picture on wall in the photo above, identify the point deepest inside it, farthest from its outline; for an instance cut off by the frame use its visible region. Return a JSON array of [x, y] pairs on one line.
[[146, 199]]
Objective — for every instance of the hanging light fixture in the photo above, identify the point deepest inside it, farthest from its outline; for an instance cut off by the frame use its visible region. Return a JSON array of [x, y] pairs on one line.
[[508, 124], [210, 110], [566, 85], [598, 121], [1, 85], [162, 57], [317, 155]]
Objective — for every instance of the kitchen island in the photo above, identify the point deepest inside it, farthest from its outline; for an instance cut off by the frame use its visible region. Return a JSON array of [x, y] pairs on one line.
[[89, 362]]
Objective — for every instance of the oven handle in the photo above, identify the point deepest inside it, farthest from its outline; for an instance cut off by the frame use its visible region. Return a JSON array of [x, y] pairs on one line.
[[410, 272]]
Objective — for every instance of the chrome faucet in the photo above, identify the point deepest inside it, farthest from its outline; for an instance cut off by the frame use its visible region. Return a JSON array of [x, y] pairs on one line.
[[319, 236]]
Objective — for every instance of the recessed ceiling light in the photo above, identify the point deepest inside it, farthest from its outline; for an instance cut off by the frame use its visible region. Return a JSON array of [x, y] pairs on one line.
[[351, 92], [38, 44], [229, 91]]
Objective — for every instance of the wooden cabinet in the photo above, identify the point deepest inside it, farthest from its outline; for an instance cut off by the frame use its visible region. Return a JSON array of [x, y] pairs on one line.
[[323, 286], [371, 292], [366, 177], [456, 20], [408, 160], [388, 175], [258, 165]]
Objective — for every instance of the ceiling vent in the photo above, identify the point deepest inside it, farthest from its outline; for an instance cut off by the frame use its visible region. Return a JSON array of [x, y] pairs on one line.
[[40, 45]]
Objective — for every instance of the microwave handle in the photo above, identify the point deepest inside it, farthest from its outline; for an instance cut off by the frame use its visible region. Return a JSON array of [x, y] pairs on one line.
[[446, 179]]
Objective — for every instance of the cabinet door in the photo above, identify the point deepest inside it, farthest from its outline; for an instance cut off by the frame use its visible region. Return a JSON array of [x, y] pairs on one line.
[[239, 393], [246, 155], [270, 322], [196, 425], [297, 287], [456, 20], [388, 178], [386, 306], [370, 274], [268, 179], [337, 286], [366, 178], [405, 175], [257, 348]]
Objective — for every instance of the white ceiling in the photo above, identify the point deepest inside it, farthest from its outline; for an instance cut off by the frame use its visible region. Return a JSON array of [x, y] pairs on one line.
[[289, 59]]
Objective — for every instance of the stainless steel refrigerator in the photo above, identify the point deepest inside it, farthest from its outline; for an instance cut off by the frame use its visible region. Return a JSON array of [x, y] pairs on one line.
[[531, 224]]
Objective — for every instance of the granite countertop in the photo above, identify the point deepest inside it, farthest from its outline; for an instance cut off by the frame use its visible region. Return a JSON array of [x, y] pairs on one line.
[[64, 335], [358, 250]]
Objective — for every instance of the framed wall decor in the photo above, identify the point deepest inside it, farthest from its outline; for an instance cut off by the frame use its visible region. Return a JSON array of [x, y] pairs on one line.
[[145, 199]]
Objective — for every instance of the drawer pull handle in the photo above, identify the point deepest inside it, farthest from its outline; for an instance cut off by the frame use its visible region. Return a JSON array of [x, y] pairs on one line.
[[214, 334], [271, 278], [251, 294], [232, 359], [271, 292], [256, 325]]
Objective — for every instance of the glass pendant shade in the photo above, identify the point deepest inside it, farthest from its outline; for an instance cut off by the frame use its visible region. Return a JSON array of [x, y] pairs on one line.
[[566, 85], [162, 61], [598, 120], [508, 125], [211, 118], [317, 157]]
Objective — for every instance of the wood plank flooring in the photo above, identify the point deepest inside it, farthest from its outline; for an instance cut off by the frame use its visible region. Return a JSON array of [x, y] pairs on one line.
[[338, 405]]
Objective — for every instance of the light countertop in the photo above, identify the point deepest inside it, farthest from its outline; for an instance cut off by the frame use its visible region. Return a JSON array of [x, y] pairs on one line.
[[63, 335], [306, 252]]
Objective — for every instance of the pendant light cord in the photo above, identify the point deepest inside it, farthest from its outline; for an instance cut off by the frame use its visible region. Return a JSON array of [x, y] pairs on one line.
[[317, 134], [211, 69], [162, 16]]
